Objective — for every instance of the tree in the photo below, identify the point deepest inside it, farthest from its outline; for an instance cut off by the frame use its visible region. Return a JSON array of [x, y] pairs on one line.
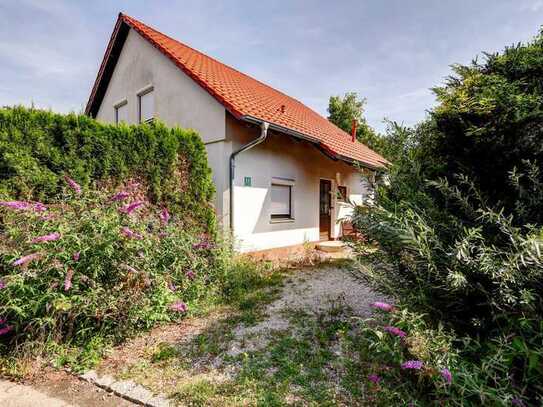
[[343, 110]]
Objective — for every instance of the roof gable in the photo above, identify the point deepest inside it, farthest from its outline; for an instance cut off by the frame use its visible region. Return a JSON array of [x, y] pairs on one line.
[[244, 97]]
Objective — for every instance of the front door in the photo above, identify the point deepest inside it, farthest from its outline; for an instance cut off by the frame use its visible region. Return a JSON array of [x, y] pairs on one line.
[[324, 209]]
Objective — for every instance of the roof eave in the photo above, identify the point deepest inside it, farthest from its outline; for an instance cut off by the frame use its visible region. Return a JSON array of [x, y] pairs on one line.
[[314, 140]]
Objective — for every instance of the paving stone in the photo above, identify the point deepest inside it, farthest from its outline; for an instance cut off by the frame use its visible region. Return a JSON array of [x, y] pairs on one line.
[[158, 401], [105, 381], [122, 387], [90, 376], [139, 394]]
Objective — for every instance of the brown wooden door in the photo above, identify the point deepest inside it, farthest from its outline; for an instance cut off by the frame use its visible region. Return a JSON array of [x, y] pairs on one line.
[[325, 199]]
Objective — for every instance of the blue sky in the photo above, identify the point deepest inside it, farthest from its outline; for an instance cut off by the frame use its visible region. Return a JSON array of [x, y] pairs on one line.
[[389, 51]]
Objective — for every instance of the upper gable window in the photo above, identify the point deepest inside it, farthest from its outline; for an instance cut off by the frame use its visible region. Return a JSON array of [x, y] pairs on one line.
[[146, 102], [121, 112]]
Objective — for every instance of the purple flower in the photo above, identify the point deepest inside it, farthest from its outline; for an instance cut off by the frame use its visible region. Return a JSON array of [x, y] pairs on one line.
[[165, 216], [162, 235], [412, 364], [204, 244], [517, 402], [23, 206], [129, 234], [119, 196], [51, 237], [16, 205], [2, 285], [179, 306], [3, 321], [128, 209], [383, 306], [447, 375], [374, 378], [394, 331], [76, 256], [68, 279], [26, 259], [190, 274], [131, 269], [72, 184], [39, 207], [172, 286], [5, 330]]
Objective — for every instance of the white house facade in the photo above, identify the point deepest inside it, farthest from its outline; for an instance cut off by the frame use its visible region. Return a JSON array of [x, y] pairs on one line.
[[283, 174]]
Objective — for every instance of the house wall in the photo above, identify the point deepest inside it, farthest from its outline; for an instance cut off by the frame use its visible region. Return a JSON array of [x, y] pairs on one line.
[[284, 157], [178, 101]]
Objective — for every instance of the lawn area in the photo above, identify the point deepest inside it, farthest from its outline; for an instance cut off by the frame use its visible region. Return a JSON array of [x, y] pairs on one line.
[[289, 341]]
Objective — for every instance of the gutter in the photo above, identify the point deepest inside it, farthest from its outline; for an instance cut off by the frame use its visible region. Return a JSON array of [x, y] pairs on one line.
[[314, 140], [263, 134]]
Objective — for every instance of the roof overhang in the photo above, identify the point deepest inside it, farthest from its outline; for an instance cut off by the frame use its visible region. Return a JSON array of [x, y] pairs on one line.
[[318, 143]]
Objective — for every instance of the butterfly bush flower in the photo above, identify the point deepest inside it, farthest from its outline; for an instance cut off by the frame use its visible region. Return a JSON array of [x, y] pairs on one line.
[[447, 375], [2, 285], [374, 378], [412, 364], [5, 330], [26, 259], [68, 279], [204, 244], [72, 184], [128, 209], [119, 196], [179, 306], [76, 256], [395, 331], [51, 237], [383, 306], [130, 234], [24, 206], [190, 274], [165, 216]]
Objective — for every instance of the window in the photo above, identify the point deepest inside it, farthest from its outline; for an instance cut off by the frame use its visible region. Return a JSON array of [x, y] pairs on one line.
[[146, 102], [342, 194], [121, 112], [281, 201]]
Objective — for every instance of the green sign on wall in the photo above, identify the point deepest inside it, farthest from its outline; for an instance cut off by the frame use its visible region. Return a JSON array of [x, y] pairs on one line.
[[247, 182]]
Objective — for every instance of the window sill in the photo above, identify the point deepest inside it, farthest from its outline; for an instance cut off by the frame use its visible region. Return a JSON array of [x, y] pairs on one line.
[[282, 220]]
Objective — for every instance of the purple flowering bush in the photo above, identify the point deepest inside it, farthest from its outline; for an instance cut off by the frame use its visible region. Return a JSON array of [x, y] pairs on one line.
[[98, 264]]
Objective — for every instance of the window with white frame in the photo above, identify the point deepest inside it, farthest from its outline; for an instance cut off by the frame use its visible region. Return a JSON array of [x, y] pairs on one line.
[[146, 105], [281, 199], [121, 112]]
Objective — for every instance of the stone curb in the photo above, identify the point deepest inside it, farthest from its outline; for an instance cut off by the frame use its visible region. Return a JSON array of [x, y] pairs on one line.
[[127, 389]]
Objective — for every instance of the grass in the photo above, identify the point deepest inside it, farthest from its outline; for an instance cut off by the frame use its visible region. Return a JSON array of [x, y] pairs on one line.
[[310, 363]]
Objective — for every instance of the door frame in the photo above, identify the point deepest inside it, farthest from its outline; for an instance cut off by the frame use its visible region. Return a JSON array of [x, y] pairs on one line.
[[332, 207]]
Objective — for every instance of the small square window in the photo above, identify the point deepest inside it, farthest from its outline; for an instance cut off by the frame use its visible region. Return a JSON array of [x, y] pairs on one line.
[[121, 113], [146, 103], [281, 201]]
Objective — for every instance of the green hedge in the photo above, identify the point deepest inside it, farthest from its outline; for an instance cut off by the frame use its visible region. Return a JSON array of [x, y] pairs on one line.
[[38, 148]]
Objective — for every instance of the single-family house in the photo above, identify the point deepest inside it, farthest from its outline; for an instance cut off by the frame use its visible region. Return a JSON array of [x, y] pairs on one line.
[[283, 173]]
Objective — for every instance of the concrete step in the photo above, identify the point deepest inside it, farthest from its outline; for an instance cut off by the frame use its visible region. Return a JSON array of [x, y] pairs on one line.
[[331, 246]]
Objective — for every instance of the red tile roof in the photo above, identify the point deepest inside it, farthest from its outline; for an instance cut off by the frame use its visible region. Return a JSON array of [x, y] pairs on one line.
[[246, 98]]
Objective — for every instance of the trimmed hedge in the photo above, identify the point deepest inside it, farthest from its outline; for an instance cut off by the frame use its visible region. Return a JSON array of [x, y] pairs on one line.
[[38, 148]]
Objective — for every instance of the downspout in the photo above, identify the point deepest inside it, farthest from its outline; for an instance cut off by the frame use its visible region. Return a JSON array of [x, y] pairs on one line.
[[263, 134]]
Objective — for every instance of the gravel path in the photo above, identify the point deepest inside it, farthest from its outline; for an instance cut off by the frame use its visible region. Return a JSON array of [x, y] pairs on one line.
[[309, 292]]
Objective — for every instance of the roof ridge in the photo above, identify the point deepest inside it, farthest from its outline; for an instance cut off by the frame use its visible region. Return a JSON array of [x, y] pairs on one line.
[[245, 97], [217, 61]]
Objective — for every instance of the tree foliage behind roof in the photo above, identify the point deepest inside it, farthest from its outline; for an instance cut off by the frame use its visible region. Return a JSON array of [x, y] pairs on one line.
[[38, 148]]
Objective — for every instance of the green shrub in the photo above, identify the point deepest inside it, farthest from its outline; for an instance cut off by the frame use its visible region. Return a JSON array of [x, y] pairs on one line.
[[38, 148], [97, 271]]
